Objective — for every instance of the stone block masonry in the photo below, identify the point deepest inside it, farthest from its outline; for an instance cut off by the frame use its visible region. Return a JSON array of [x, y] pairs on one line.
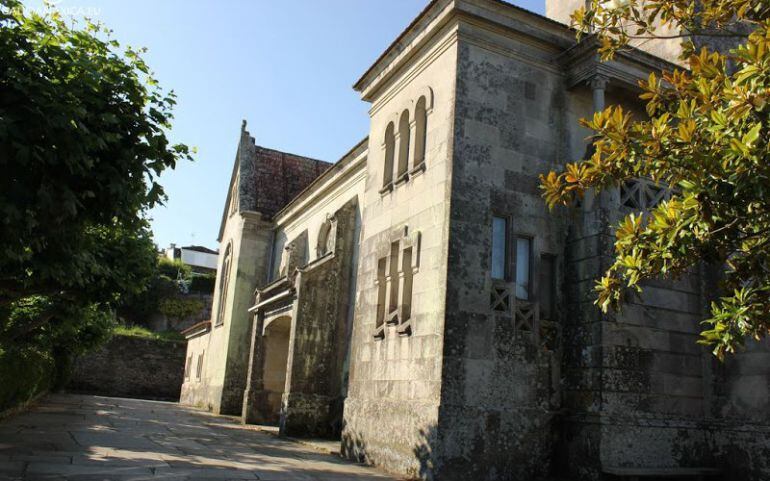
[[132, 367]]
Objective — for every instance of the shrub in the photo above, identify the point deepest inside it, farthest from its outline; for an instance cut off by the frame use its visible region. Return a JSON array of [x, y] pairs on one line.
[[179, 308], [25, 372], [203, 284]]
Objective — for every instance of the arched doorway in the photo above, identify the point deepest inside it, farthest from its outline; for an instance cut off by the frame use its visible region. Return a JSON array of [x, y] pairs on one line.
[[276, 345]]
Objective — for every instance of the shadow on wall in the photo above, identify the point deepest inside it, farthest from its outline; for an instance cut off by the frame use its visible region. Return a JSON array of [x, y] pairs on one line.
[[354, 447], [428, 459]]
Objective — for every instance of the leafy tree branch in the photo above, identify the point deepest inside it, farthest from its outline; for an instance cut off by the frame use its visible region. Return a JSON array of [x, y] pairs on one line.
[[705, 135]]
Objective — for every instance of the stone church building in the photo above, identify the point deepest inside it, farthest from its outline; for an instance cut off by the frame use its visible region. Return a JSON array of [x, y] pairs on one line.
[[418, 300]]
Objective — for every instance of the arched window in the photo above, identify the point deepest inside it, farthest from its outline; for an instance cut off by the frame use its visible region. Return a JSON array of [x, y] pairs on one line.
[[390, 145], [421, 124], [403, 144], [224, 281]]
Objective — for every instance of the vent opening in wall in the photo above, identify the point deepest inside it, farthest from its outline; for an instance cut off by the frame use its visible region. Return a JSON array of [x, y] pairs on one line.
[[643, 194], [500, 299]]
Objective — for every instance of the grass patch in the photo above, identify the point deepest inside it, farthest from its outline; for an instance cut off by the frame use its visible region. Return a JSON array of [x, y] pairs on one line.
[[139, 331]]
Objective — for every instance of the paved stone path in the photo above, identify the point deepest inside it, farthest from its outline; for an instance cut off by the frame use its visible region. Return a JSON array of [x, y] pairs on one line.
[[92, 438]]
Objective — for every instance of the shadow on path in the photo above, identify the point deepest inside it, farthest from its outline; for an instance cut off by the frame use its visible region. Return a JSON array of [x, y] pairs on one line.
[[92, 438]]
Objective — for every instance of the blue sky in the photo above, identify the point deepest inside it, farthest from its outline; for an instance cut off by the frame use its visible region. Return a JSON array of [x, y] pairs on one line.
[[285, 66]]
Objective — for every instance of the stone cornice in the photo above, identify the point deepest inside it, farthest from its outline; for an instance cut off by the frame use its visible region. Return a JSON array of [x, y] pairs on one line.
[[432, 20], [255, 219], [581, 63], [197, 330], [578, 61]]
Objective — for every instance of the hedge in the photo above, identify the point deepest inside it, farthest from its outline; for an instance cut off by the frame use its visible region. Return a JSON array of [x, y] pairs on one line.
[[25, 374]]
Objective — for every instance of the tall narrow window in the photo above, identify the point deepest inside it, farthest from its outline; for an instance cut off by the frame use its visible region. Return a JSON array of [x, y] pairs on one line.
[[403, 143], [393, 280], [421, 123], [224, 280], [406, 272], [523, 273], [390, 146], [499, 248], [199, 367], [546, 287], [381, 290], [188, 367]]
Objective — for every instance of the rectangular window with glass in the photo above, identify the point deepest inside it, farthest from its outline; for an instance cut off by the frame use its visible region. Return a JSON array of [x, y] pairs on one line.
[[499, 248], [546, 287], [523, 267]]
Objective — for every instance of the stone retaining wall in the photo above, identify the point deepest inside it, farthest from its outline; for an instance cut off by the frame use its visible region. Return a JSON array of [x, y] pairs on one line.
[[132, 367]]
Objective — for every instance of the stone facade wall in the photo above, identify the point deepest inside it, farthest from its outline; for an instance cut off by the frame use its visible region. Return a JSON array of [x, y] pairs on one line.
[[319, 340], [501, 391], [391, 412], [266, 181], [226, 348], [455, 387], [739, 421], [308, 299], [300, 338], [131, 367]]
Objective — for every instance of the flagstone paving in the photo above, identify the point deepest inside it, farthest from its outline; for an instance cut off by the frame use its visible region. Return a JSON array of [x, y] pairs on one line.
[[93, 438]]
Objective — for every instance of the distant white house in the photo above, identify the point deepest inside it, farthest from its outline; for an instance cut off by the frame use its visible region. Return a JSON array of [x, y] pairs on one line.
[[198, 257]]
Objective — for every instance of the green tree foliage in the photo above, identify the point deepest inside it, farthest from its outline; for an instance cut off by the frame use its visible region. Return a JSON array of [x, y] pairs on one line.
[[82, 142], [706, 136]]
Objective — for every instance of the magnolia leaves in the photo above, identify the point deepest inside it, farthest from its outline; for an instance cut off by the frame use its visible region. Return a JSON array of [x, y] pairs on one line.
[[706, 136]]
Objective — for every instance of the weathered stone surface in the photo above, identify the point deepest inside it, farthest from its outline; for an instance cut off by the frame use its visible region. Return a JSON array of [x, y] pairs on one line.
[[440, 370], [131, 367]]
